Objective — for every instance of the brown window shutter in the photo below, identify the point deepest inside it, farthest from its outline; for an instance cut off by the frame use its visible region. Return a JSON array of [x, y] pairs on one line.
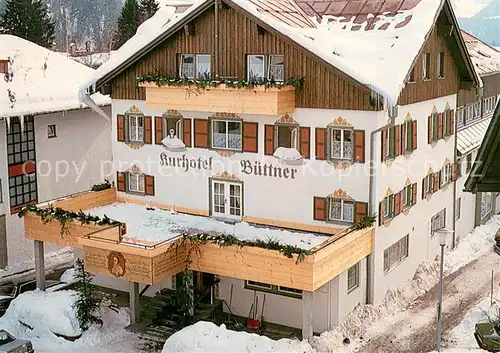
[[359, 143], [437, 178], [158, 130], [397, 132], [414, 135], [319, 208], [201, 133], [404, 142], [120, 181], [397, 203], [320, 148], [360, 210], [429, 129], [148, 133], [424, 186], [440, 125], [384, 138], [250, 137], [186, 132], [120, 127], [381, 213], [452, 122], [150, 184], [268, 140], [305, 142], [414, 193], [454, 175]]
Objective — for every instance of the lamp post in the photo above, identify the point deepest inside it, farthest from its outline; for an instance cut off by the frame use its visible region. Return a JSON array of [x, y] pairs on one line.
[[442, 235]]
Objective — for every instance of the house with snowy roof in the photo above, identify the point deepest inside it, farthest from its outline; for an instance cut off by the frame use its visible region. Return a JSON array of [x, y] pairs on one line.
[[314, 141], [52, 144]]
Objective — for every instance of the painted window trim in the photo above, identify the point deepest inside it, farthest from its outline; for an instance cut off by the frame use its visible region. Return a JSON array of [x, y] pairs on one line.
[[127, 128], [211, 121], [180, 122], [329, 132], [275, 289], [296, 128], [330, 201], [127, 183], [229, 218], [408, 193]]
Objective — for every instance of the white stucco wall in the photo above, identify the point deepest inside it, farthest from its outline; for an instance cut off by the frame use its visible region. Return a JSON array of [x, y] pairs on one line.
[[465, 224]]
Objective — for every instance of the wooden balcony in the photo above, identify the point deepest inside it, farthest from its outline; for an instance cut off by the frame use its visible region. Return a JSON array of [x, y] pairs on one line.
[[108, 252], [257, 100]]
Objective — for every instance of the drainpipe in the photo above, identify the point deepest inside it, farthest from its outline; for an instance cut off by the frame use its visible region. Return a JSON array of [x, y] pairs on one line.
[[455, 155], [216, 44], [392, 112], [84, 97]]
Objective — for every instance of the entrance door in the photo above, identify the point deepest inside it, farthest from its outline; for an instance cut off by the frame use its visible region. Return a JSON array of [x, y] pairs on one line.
[[226, 199]]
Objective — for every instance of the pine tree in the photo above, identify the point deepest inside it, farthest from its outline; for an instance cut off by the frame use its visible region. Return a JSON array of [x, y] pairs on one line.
[[148, 8], [28, 19], [88, 299], [128, 22]]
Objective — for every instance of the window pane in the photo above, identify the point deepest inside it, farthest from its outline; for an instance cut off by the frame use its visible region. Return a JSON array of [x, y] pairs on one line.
[[234, 134], [187, 66], [203, 66], [276, 68], [132, 128], [142, 183], [348, 211], [256, 67], [285, 136], [347, 150], [336, 209], [219, 134], [336, 143]]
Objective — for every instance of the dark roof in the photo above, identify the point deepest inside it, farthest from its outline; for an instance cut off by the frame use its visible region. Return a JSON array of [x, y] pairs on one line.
[[485, 175], [485, 57]]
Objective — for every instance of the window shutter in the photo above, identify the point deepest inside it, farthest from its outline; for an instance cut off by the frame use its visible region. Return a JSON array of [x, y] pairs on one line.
[[250, 137], [268, 140], [455, 174], [305, 142], [158, 130], [120, 127], [186, 132], [359, 143], [201, 133], [319, 208], [150, 184], [404, 142], [398, 140], [120, 181], [360, 210], [148, 133], [437, 181], [429, 129], [414, 135], [452, 122], [397, 203], [320, 150], [381, 213], [383, 145], [392, 142], [440, 125], [414, 194], [424, 186]]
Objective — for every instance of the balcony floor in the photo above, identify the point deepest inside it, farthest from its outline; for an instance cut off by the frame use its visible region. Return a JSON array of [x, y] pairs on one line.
[[153, 226]]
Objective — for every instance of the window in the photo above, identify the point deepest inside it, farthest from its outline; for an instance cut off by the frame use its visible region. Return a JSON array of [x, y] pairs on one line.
[[486, 204], [446, 174], [265, 68], [226, 199], [341, 144], [22, 189], [438, 221], [428, 184], [389, 143], [271, 288], [51, 131], [468, 162], [226, 134], [440, 65], [426, 67], [136, 128], [434, 127], [407, 196], [172, 125], [396, 253], [389, 208], [287, 136], [448, 125], [411, 76], [21, 145], [341, 210], [136, 182], [353, 277], [458, 208], [195, 66]]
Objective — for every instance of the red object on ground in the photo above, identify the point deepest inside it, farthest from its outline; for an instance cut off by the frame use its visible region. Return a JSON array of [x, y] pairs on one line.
[[253, 324]]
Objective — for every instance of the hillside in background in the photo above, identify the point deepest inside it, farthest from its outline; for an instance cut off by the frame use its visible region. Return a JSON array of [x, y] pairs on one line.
[[481, 18]]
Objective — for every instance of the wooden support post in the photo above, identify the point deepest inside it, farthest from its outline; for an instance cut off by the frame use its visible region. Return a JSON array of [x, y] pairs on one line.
[[134, 303], [39, 265], [307, 315]]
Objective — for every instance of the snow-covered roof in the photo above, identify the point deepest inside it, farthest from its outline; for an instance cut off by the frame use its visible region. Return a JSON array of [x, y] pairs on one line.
[[375, 50], [486, 58], [471, 137], [42, 81], [154, 226]]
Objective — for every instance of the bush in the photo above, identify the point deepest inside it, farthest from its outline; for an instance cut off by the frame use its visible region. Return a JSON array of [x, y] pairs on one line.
[[88, 300]]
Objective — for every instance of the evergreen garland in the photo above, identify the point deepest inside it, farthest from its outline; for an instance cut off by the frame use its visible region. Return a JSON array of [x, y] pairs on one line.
[[365, 222], [164, 80], [101, 186]]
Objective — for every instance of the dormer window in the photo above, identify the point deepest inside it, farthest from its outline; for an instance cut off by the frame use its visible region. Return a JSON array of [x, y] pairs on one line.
[[195, 66], [265, 68]]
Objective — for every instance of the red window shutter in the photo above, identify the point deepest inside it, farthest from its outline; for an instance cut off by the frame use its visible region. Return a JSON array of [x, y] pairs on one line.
[[397, 204], [437, 181], [186, 131], [120, 181], [429, 129], [414, 135], [440, 125], [320, 150], [200, 133], [158, 130], [454, 175], [150, 184], [404, 142], [380, 213], [360, 210], [120, 127], [359, 142], [305, 142], [148, 133], [397, 132], [414, 194], [383, 144], [452, 122], [250, 137], [319, 208], [268, 140]]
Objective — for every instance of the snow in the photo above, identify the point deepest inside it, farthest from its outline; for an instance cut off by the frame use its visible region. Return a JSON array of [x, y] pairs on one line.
[[43, 81], [68, 276], [486, 59], [468, 8], [287, 153], [206, 337], [173, 144], [154, 226]]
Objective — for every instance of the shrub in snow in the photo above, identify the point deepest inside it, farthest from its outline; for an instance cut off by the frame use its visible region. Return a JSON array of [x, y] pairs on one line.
[[180, 309], [88, 299]]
